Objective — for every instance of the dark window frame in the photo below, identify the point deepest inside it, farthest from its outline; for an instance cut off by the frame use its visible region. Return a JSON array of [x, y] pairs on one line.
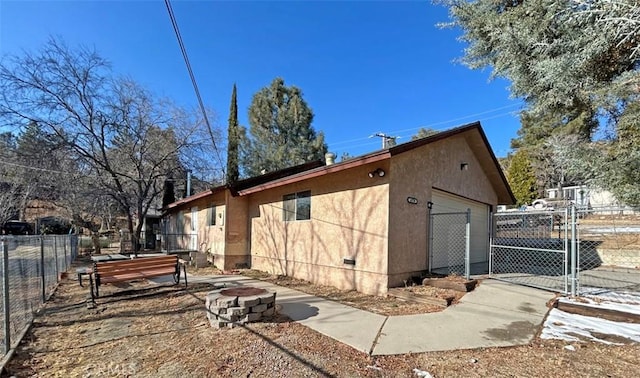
[[211, 215], [296, 206]]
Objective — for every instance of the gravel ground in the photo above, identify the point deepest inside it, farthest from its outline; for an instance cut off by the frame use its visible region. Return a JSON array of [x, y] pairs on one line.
[[138, 330]]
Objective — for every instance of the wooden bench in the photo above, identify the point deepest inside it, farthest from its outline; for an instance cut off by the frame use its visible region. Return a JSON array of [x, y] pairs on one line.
[[139, 268]]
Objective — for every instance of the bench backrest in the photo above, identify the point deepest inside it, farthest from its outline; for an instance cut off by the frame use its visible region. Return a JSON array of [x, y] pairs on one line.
[[140, 264]]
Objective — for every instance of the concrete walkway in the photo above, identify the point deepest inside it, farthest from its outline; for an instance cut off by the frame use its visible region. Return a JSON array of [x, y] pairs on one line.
[[494, 314]]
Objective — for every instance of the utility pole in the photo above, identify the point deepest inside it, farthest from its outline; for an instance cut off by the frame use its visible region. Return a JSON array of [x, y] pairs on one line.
[[387, 140]]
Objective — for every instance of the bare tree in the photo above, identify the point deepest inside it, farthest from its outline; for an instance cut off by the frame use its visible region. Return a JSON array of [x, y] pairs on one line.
[[120, 136]]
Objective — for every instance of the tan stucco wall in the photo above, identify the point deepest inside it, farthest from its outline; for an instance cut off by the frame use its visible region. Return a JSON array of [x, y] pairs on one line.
[[226, 242], [414, 174], [236, 253], [349, 215], [210, 239]]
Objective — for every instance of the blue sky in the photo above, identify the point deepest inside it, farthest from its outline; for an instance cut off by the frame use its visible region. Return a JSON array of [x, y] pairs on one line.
[[364, 67]]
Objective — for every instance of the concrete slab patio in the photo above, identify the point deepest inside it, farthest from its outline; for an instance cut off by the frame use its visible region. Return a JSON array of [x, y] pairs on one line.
[[495, 314]]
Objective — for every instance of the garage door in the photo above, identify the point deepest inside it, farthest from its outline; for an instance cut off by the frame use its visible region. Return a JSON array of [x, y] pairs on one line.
[[449, 231]]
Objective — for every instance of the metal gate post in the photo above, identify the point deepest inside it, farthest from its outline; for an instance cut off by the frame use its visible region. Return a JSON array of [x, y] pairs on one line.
[[574, 265], [44, 285], [492, 231], [5, 297], [55, 253], [467, 252], [565, 263], [430, 241]]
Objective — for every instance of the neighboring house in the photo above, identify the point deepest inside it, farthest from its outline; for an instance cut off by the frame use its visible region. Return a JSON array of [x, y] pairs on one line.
[[584, 196], [360, 224]]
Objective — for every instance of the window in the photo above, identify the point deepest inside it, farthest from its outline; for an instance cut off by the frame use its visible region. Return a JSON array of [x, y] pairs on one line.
[[211, 215], [296, 206], [180, 223]]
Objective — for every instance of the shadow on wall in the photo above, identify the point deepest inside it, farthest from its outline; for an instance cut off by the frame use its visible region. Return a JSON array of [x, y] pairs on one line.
[[314, 250]]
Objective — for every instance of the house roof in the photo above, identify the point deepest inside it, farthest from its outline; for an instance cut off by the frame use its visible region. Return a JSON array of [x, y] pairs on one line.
[[246, 183], [473, 133]]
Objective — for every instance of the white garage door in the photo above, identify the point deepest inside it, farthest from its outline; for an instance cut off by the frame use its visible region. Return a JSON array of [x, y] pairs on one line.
[[453, 235]]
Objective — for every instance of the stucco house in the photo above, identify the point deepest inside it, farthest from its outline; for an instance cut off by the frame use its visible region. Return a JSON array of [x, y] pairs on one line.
[[359, 224]]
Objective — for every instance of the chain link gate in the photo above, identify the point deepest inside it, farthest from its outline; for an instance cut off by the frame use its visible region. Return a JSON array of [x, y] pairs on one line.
[[532, 248], [573, 251], [449, 248]]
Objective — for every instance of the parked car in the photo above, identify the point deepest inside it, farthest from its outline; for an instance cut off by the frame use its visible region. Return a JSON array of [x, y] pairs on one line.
[[17, 228]]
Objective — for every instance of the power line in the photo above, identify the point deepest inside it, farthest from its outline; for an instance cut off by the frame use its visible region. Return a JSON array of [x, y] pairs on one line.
[[192, 76], [438, 123], [464, 117], [347, 144]]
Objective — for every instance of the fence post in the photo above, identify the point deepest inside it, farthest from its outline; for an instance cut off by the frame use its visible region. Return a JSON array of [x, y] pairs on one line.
[[44, 285], [491, 221], [430, 236], [66, 239], [467, 249], [55, 254], [5, 296], [574, 254], [567, 256]]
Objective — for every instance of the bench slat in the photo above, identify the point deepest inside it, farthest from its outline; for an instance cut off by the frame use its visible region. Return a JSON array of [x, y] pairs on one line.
[[128, 276], [107, 270], [139, 261]]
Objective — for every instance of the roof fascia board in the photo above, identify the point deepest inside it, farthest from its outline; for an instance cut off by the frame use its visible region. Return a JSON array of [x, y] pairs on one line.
[[326, 169]]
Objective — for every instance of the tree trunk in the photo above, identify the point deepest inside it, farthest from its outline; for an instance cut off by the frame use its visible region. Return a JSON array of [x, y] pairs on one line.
[[132, 235]]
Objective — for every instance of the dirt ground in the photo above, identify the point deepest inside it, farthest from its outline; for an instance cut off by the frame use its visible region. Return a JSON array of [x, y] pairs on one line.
[[141, 330]]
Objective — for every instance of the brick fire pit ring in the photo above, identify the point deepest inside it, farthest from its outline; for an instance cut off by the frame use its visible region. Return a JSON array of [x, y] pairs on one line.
[[239, 305], [242, 291]]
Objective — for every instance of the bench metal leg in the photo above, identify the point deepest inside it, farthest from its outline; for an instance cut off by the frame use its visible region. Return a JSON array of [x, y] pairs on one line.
[[93, 298], [97, 293], [184, 269]]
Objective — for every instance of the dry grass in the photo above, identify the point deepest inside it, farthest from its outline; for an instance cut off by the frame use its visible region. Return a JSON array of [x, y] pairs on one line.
[[144, 331]]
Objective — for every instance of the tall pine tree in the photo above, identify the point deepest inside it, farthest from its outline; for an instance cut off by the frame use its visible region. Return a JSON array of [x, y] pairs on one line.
[[281, 132], [233, 137]]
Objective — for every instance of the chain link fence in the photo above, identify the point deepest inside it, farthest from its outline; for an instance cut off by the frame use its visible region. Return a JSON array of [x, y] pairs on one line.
[[608, 249], [449, 243], [179, 242], [571, 251], [31, 267]]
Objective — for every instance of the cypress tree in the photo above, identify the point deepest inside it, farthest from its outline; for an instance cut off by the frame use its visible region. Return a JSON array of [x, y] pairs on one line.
[[233, 136]]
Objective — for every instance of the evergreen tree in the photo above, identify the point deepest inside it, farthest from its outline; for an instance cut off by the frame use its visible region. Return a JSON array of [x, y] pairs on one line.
[[233, 138], [522, 179], [281, 132], [576, 64], [560, 56], [423, 133]]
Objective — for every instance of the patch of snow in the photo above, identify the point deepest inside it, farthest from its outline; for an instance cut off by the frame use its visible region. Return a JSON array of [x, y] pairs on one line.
[[623, 302], [621, 297], [570, 347], [571, 327]]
